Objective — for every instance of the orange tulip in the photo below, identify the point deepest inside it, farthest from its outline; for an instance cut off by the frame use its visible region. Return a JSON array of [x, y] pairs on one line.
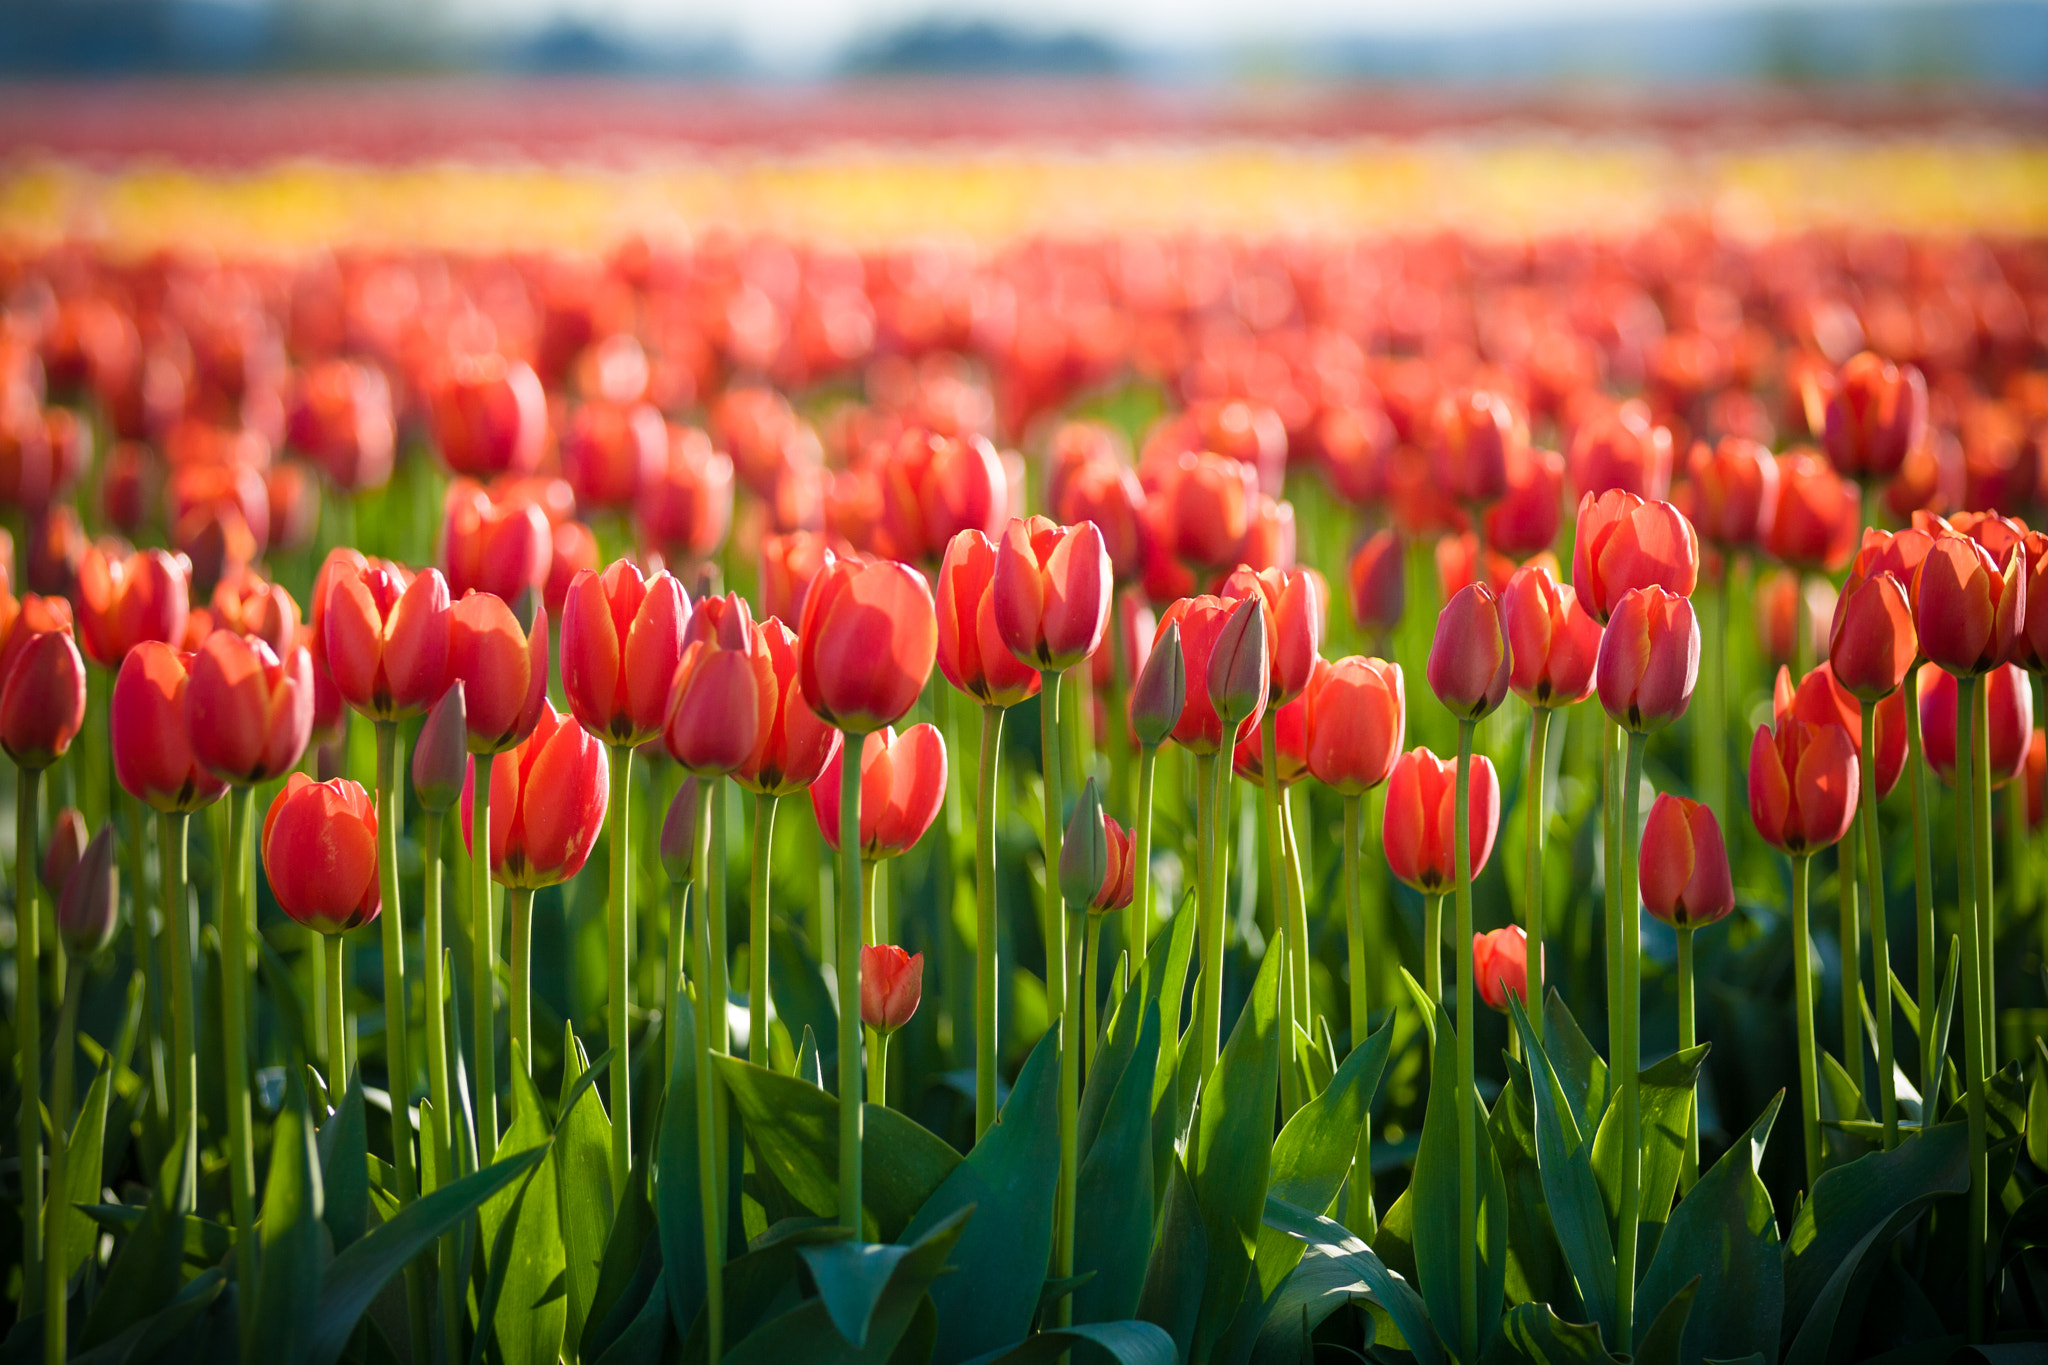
[[788, 564], [1290, 744], [1620, 449], [548, 798], [793, 745], [1379, 582], [622, 637], [714, 712], [612, 450], [504, 670], [685, 507], [1802, 784], [1731, 490], [249, 713], [1202, 621], [1649, 659], [1552, 642], [1968, 607], [152, 750], [1296, 603], [1500, 966], [1105, 492], [1457, 565], [248, 604], [128, 596], [320, 853], [866, 644], [1816, 517], [934, 487], [1050, 592], [971, 653], [1876, 416], [1685, 878], [1419, 833], [490, 543], [386, 640], [488, 415], [341, 420], [1872, 643], [902, 786], [1524, 521], [2010, 700], [1201, 511], [1624, 543], [1820, 699], [1474, 431], [891, 983], [1357, 715]]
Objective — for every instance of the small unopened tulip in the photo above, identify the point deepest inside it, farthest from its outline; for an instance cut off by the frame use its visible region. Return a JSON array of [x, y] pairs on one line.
[[1969, 609], [440, 757], [1379, 582], [42, 696], [1419, 833], [1237, 672], [1474, 431], [1500, 966], [1624, 543], [867, 642], [1525, 520], [1200, 622], [320, 853], [679, 831], [1468, 661], [1119, 881], [1161, 691], [1294, 610], [64, 850], [488, 415], [1620, 449], [1685, 878], [891, 983], [1051, 591], [1087, 859], [1552, 642], [1802, 785], [2009, 701], [89, 904], [902, 786], [1872, 642], [1356, 719], [972, 654]]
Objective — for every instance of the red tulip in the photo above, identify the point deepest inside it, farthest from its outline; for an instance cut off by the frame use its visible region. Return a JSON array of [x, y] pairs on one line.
[[1119, 880], [1968, 608], [386, 641], [891, 982], [440, 757], [1202, 510], [56, 546], [1552, 643], [1524, 521], [1419, 834], [714, 702], [1786, 603], [1236, 679], [572, 549], [1816, 517], [788, 564], [622, 637], [493, 544], [1731, 490], [1457, 566], [1355, 442], [23, 621], [1802, 785], [248, 604], [1649, 659], [866, 643], [1468, 661], [320, 853], [1357, 715], [1876, 415], [503, 669], [1500, 966], [1898, 553], [1684, 864], [1625, 543], [249, 713], [63, 851], [612, 450], [1290, 744], [1269, 542], [1872, 643], [902, 786], [1202, 621], [1105, 492], [934, 487], [341, 420], [793, 745], [1296, 603], [128, 596], [488, 415], [1159, 692], [1620, 449], [1474, 432], [2011, 704], [152, 750], [88, 904], [1820, 699], [42, 686], [548, 798], [685, 508], [971, 653], [1051, 592]]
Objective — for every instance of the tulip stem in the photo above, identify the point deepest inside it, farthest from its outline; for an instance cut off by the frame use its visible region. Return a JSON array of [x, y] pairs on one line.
[[1689, 1169], [1219, 906], [440, 1130], [708, 1164], [873, 932], [1208, 915], [758, 930], [1070, 1099], [1276, 860], [1802, 1007], [28, 1030], [1090, 964], [1362, 1219], [337, 1013], [1987, 919], [1433, 946], [1709, 714], [148, 964], [173, 828], [1467, 1099], [1138, 918], [1630, 1061], [985, 923], [1539, 743], [483, 979], [56, 1283], [1975, 731], [397, 1057], [1880, 941], [519, 935], [619, 959], [1923, 905], [1851, 939], [1297, 925], [848, 946], [234, 1004], [1611, 765]]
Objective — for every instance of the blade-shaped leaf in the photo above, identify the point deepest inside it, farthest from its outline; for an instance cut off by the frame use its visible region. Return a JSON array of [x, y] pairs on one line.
[[1665, 1101], [646, 1337], [82, 1172], [279, 1325], [1438, 1245], [147, 1270], [679, 1211], [1564, 1159], [809, 1065], [1393, 1293], [798, 989], [532, 1311], [1113, 1193], [851, 1277], [146, 1340], [344, 1168], [582, 1156], [1580, 1071], [1127, 1343], [630, 1245], [1179, 1263], [1658, 1342]]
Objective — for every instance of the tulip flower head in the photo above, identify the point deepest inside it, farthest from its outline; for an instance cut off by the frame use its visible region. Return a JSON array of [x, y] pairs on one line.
[[1051, 592], [440, 757], [492, 542], [1525, 519], [2009, 701], [792, 745], [1237, 672], [1968, 607], [1500, 966], [1474, 432], [1295, 603], [1876, 416], [714, 701], [66, 846], [679, 831], [1355, 720], [1419, 834], [320, 853], [1802, 784], [1872, 643], [248, 604], [1731, 490], [1200, 623], [1290, 743], [1160, 693], [1119, 880], [1820, 699], [488, 415], [128, 596], [685, 508], [42, 684], [891, 983], [622, 637], [385, 639], [503, 669], [866, 644], [1087, 854], [1552, 642], [249, 713], [1619, 449], [935, 487], [1685, 877], [788, 564], [1379, 582], [548, 798], [902, 786], [972, 653], [89, 901], [1468, 661], [1814, 522], [153, 757], [1649, 659], [1624, 543]]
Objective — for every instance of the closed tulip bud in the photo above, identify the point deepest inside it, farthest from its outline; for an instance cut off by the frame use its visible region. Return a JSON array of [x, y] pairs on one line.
[[1552, 643], [153, 756], [1731, 491], [1802, 785], [1086, 858], [714, 702], [866, 644], [1200, 622], [1525, 520], [488, 415], [1872, 642], [440, 757], [1500, 966], [42, 694], [1237, 671], [972, 654], [622, 637], [1420, 831], [548, 799], [250, 714], [1788, 603], [1295, 606], [503, 669], [1290, 743], [2009, 701], [938, 486], [1875, 417], [386, 641], [1815, 520], [320, 853], [572, 550], [128, 596], [1161, 691], [1619, 449], [89, 905], [1649, 660], [891, 983], [902, 786], [1355, 722], [1626, 543], [679, 831], [66, 848], [1379, 582], [1468, 661], [1119, 882], [793, 745], [1474, 432], [1967, 607], [1685, 878], [1051, 592], [248, 604]]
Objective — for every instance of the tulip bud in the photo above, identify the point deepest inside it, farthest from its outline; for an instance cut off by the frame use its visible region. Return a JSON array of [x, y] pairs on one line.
[[679, 832], [1119, 880], [319, 846], [1872, 642], [1468, 662], [65, 850], [1237, 664], [1624, 543], [1161, 690], [891, 983], [1684, 863], [42, 698], [1051, 591], [1802, 785], [1500, 966], [90, 902], [1420, 829], [1356, 719], [1379, 582], [440, 757], [1649, 659], [548, 798], [1967, 609], [1552, 642], [902, 786], [1084, 851]]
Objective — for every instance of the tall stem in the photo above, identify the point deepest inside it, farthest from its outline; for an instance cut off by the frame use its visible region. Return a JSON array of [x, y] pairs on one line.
[[1138, 919], [1987, 919], [1880, 941], [1629, 1059], [875, 930], [28, 1030], [1851, 940], [1070, 1097], [519, 945], [708, 1165], [337, 1011], [1055, 919], [1091, 961], [179, 931], [234, 1004], [985, 921], [1363, 1219], [1976, 921], [1532, 881], [56, 1284], [848, 945], [1433, 946], [1923, 901], [1468, 1094], [148, 963], [1297, 919], [1611, 762], [759, 928], [434, 984], [397, 1057], [1802, 1007], [1709, 716], [1276, 856], [1218, 775], [721, 937], [483, 979], [619, 969], [1689, 1171]]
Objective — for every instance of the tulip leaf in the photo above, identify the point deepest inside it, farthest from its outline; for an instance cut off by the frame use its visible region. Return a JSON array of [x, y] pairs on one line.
[[798, 989], [1533, 1332], [146, 1340], [1317, 1288], [646, 1337], [1169, 1113], [679, 1210], [279, 1325], [1394, 1294], [1854, 1209], [1564, 1161], [523, 1228], [2037, 1110], [1235, 1151], [344, 1167], [1179, 1263], [810, 1064], [759, 1280], [1113, 1199], [850, 1277], [1723, 1236], [206, 1241], [1659, 1342], [1127, 1343], [1435, 1196], [1120, 1040], [632, 1259], [1577, 1064], [582, 1156], [149, 1267], [1665, 1100], [793, 1129], [1010, 1181], [83, 1154]]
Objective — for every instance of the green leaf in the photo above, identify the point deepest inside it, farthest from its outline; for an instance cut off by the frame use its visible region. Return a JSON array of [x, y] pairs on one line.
[[1127, 1343], [530, 1317], [1855, 1209], [1318, 1287], [1394, 1294], [1945, 1012], [147, 1339], [1658, 1344], [1010, 1182], [793, 1128], [809, 1067], [645, 1339], [2037, 1110], [1665, 1100], [1168, 1111], [83, 1152], [1120, 1040], [344, 1167], [1564, 1160], [1435, 1191], [1235, 1123], [148, 1269], [1580, 1071], [798, 989], [1724, 1237], [1113, 1192], [1179, 1263], [583, 1178], [1533, 1333], [1842, 1111], [851, 1277], [754, 1282], [358, 1275], [632, 1241], [206, 1241], [679, 1211], [279, 1325]]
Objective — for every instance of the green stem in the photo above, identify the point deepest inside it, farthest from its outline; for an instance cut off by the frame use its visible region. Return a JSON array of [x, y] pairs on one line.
[[1297, 921], [721, 938], [1689, 1171], [148, 963], [1709, 716], [1923, 902], [1219, 897], [1987, 919], [985, 922], [758, 930], [234, 992], [1802, 1007], [874, 930], [1070, 1097], [1276, 858], [484, 946], [878, 1068], [1433, 946], [337, 1011], [848, 946], [1138, 920], [1539, 739], [1611, 878], [397, 1055], [708, 1165], [619, 964], [519, 936], [672, 988], [179, 931], [1363, 1219], [1629, 1061], [1851, 940], [1880, 942], [1973, 694], [28, 1030], [434, 985], [56, 1284], [1091, 962], [1468, 1093]]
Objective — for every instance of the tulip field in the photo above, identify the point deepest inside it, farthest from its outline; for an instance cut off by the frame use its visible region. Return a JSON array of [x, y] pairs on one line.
[[1456, 792]]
